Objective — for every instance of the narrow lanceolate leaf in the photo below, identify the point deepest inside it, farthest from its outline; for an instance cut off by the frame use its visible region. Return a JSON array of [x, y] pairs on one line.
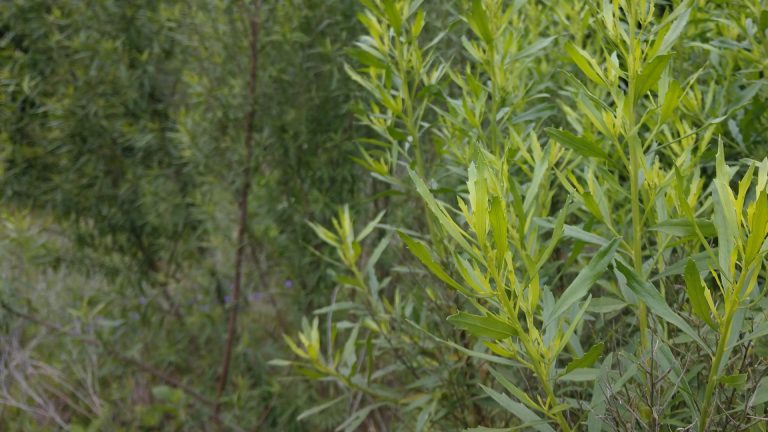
[[736, 381], [696, 289], [536, 48], [420, 251], [528, 417], [686, 228], [514, 390], [586, 63], [584, 281], [487, 326], [320, 408], [648, 294], [393, 15], [650, 75], [499, 228], [578, 144], [588, 359], [701, 259], [476, 354], [675, 30], [370, 227], [671, 100], [760, 395], [442, 216], [726, 215], [478, 21]]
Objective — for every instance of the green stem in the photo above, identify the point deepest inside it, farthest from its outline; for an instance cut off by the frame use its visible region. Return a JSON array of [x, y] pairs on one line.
[[732, 302], [541, 373], [636, 155], [725, 332], [637, 227]]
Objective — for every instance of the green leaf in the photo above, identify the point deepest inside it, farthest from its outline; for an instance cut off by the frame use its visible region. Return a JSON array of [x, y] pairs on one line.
[[606, 305], [514, 390], [597, 404], [574, 232], [651, 74], [736, 381], [418, 23], [671, 37], [353, 422], [478, 199], [536, 48], [578, 144], [393, 15], [442, 216], [671, 100], [346, 305], [685, 228], [648, 294], [528, 417], [725, 214], [701, 259], [472, 353], [498, 221], [695, 289], [758, 228], [487, 326], [760, 396], [584, 281], [370, 227], [478, 21], [763, 22], [586, 63], [368, 57], [420, 251], [580, 375], [324, 234], [319, 408], [760, 331], [588, 359]]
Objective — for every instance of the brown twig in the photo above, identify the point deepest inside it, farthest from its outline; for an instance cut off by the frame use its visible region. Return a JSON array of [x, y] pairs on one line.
[[242, 204]]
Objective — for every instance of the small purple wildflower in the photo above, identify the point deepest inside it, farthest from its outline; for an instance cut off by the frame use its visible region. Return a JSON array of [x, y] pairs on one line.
[[227, 299], [288, 283], [142, 300], [256, 296]]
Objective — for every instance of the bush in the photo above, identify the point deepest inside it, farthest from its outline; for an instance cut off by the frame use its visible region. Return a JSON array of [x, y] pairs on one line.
[[586, 225]]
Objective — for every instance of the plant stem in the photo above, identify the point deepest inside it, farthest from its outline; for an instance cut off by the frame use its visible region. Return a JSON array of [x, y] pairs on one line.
[[725, 332], [637, 231], [540, 370], [635, 160], [732, 301], [636, 156], [242, 205]]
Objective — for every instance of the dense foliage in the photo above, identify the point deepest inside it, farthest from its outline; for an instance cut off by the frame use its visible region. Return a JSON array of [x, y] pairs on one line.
[[384, 215]]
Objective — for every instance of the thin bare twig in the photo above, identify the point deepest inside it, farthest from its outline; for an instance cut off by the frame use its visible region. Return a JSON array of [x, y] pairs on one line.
[[242, 204]]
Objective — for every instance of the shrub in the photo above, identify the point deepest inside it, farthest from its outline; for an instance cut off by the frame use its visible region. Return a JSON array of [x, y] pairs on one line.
[[582, 190]]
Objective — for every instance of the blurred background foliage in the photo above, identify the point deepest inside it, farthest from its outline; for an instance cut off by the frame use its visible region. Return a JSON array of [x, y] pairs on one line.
[[121, 153]]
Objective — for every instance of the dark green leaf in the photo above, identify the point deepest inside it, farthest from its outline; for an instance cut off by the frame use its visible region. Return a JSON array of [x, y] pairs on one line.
[[487, 326], [588, 359]]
